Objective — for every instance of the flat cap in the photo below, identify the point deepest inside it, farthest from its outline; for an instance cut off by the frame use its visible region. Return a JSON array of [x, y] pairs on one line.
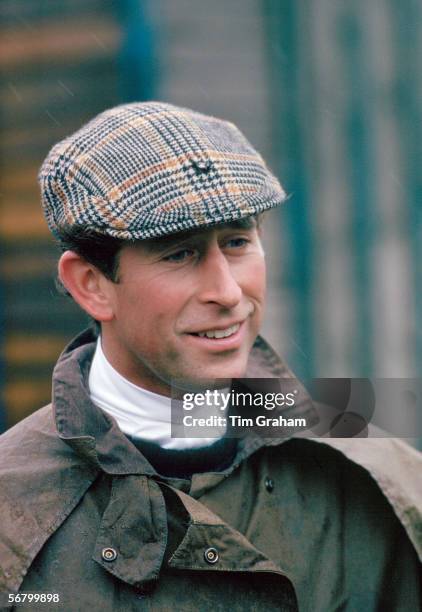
[[150, 169]]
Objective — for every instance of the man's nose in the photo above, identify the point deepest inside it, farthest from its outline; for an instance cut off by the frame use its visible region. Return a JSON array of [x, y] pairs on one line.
[[217, 283]]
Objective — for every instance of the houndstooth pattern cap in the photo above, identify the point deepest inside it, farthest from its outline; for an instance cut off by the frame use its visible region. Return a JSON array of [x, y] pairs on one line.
[[150, 169]]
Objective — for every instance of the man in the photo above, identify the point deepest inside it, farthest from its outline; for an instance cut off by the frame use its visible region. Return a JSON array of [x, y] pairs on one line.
[[158, 211]]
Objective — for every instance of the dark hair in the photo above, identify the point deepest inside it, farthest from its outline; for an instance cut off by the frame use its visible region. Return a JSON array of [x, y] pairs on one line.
[[97, 249], [100, 250]]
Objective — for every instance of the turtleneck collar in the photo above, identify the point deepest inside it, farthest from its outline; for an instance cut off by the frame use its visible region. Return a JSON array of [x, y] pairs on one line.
[[139, 413]]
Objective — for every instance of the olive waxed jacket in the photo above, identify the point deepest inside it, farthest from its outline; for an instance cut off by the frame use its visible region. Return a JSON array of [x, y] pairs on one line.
[[315, 525]]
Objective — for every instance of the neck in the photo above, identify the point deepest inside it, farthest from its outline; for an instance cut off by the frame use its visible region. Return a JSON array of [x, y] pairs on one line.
[[140, 413], [122, 361]]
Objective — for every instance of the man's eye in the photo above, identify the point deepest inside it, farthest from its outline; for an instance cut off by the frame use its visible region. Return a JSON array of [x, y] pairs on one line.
[[237, 242], [179, 256]]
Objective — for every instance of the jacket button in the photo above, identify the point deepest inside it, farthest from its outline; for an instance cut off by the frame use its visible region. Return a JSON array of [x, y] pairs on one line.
[[269, 485], [109, 554], [211, 555], [201, 166]]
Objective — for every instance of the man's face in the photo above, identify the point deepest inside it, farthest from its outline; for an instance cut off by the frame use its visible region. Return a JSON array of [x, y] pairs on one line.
[[187, 307]]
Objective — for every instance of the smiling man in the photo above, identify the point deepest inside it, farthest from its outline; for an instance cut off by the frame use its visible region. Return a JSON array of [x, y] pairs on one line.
[[205, 291], [158, 211]]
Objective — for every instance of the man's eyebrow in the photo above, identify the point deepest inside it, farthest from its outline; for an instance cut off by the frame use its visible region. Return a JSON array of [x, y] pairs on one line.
[[157, 245]]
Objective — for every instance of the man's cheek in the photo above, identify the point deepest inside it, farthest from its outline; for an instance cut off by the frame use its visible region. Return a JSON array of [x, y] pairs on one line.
[[256, 279]]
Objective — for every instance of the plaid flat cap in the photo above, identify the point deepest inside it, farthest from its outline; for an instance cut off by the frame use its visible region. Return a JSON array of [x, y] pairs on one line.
[[144, 170]]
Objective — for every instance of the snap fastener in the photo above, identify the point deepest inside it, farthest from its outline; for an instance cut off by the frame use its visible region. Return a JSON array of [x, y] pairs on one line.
[[211, 555], [269, 485], [109, 554]]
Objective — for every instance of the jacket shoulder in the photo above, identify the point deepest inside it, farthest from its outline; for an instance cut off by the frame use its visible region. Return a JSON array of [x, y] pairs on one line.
[[38, 425], [32, 449], [41, 481], [396, 467]]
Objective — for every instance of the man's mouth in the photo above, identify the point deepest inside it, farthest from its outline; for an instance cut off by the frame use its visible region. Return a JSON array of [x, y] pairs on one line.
[[219, 333], [216, 340]]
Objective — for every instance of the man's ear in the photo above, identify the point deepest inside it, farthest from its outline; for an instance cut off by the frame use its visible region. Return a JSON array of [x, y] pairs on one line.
[[87, 285]]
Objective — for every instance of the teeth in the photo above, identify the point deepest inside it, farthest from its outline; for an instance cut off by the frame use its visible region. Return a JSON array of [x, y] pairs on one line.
[[220, 333]]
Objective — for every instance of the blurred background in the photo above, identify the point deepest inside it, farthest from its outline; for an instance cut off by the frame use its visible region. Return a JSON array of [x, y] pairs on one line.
[[329, 92]]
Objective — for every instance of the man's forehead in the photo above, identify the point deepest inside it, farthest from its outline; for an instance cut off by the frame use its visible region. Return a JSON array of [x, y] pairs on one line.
[[157, 244]]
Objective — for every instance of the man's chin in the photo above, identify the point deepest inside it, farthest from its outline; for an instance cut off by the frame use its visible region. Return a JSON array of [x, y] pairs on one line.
[[219, 379]]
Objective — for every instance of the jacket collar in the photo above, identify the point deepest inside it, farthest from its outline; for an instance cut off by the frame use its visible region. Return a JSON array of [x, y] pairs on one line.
[[97, 438]]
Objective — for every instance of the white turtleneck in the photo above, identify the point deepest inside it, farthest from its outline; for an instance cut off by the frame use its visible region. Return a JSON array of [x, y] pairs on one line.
[[139, 413]]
